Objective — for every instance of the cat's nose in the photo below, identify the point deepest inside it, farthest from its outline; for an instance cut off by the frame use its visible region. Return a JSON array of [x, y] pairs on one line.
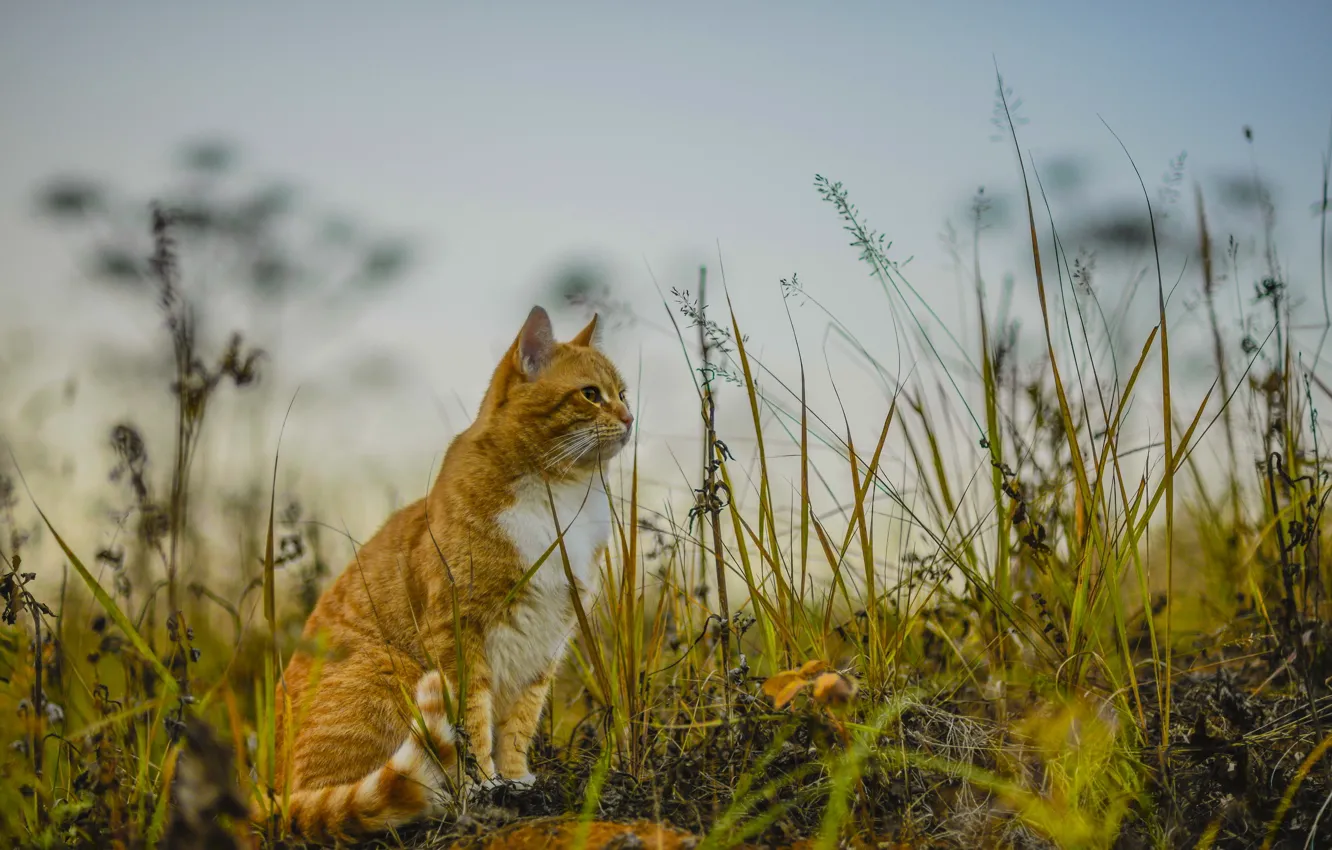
[[627, 418]]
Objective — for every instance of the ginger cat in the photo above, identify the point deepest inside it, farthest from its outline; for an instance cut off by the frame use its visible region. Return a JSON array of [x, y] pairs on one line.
[[359, 757]]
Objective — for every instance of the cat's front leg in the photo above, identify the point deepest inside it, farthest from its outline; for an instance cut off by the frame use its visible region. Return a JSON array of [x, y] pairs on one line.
[[479, 715], [517, 727]]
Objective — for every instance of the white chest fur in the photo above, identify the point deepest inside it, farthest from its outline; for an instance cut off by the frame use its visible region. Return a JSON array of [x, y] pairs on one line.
[[536, 633]]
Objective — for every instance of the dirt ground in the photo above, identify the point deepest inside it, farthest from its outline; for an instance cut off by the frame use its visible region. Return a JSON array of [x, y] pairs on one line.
[[1238, 755]]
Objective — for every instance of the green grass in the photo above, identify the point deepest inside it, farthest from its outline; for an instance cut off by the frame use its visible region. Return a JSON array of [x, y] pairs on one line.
[[1062, 634]]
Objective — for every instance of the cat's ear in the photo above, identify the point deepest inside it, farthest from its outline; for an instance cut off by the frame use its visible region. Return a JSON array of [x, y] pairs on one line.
[[588, 336], [536, 343]]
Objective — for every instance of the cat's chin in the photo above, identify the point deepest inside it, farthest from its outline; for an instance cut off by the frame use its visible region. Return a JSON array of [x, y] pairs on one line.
[[608, 451]]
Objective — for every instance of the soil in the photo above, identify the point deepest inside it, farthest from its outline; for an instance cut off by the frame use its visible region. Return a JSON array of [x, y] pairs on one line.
[[1237, 754]]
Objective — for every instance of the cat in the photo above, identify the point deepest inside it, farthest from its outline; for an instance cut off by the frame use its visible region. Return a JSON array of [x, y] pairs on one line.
[[356, 754]]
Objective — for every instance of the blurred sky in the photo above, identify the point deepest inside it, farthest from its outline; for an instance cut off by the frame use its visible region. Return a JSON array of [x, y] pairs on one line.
[[506, 138]]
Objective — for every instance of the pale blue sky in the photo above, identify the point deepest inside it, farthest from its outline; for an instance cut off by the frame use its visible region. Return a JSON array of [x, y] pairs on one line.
[[507, 137], [649, 130]]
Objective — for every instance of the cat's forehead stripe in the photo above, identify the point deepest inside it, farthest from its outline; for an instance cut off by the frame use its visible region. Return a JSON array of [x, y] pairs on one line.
[[596, 366]]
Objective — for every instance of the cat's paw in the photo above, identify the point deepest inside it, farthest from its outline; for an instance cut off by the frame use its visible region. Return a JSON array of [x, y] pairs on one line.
[[484, 788], [522, 783], [499, 784]]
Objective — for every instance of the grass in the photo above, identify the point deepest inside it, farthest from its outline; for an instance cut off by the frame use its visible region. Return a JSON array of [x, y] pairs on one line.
[[1031, 629]]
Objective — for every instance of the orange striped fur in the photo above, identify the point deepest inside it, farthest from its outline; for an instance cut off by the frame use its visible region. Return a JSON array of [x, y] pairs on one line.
[[350, 755], [411, 785]]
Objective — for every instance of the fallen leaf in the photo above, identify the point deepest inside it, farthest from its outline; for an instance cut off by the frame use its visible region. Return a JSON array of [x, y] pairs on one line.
[[833, 689], [783, 687]]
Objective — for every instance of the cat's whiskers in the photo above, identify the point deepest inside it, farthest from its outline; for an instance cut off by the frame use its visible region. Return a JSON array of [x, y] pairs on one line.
[[566, 449], [565, 463], [571, 436], [576, 448], [565, 442]]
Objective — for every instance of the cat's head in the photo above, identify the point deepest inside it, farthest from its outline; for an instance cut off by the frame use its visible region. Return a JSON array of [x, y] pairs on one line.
[[561, 407]]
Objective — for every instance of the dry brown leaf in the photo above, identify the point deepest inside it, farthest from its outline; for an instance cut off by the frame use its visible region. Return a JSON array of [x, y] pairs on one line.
[[779, 681], [833, 689], [810, 669], [784, 686], [788, 693]]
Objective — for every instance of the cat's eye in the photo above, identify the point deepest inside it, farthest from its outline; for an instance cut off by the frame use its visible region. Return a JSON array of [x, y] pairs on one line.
[[592, 394], [623, 393]]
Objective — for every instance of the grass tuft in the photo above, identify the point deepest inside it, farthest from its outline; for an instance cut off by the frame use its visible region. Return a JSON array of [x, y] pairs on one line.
[[1034, 602]]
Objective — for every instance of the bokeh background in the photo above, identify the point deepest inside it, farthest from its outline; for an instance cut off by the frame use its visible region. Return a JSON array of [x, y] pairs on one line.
[[376, 194]]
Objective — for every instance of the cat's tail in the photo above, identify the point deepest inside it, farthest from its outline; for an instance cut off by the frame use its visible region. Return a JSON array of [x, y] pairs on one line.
[[408, 787]]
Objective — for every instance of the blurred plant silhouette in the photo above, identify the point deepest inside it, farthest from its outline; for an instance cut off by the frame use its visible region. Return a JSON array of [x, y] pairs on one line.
[[225, 259], [256, 237], [585, 286]]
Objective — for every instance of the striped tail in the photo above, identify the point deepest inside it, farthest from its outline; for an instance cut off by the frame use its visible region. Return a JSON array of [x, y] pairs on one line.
[[409, 787]]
